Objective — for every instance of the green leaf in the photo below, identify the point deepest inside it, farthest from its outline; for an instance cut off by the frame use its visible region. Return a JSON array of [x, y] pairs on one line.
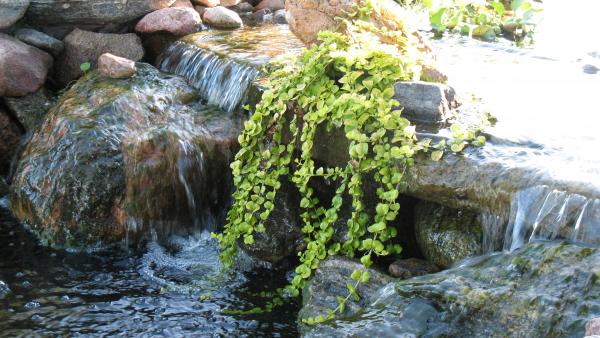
[[377, 227], [85, 67], [436, 155]]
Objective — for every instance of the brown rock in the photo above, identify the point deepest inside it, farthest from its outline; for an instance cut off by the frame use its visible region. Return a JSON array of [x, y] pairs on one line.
[[271, 4], [115, 67], [83, 46], [182, 4], [23, 69], [9, 140], [177, 21], [592, 327], [207, 3], [412, 267]]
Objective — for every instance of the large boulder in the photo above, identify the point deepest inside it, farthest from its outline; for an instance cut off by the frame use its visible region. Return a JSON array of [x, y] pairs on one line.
[[175, 20], [541, 290], [119, 158], [11, 11], [83, 46], [9, 140], [83, 12], [30, 110], [23, 69], [447, 235]]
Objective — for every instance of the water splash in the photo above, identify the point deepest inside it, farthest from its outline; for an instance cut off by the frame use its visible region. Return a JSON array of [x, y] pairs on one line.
[[542, 212]]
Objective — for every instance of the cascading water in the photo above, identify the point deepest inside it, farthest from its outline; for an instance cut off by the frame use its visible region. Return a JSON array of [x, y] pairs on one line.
[[223, 65]]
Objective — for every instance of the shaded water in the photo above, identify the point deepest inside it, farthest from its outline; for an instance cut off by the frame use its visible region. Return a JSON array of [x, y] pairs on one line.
[[176, 288]]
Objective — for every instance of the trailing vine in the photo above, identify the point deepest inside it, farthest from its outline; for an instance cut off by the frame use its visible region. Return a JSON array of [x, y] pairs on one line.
[[344, 82]]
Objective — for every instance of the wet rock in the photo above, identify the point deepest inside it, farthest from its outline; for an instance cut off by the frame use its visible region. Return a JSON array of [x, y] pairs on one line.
[[177, 21], [447, 235], [30, 109], [542, 290], [592, 327], [273, 5], [263, 15], [9, 140], [64, 12], [222, 17], [425, 102], [283, 235], [156, 43], [11, 11], [412, 267], [4, 290], [329, 282], [24, 68], [83, 46], [118, 157], [279, 17], [207, 3], [115, 67], [182, 4], [40, 40]]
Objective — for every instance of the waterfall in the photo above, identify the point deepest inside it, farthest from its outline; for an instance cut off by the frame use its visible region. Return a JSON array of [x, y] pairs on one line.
[[222, 81], [541, 212]]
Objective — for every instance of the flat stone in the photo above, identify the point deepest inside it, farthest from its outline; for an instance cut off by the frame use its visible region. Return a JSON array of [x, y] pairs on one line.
[[69, 12], [425, 102], [40, 40], [83, 46], [24, 68], [11, 11], [31, 109], [222, 17], [115, 67], [177, 21]]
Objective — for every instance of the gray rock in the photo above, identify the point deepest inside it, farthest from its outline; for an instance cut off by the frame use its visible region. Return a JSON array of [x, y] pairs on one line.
[[222, 17], [541, 290], [592, 327], [118, 157], [83, 46], [24, 68], [447, 235], [11, 11], [9, 140], [412, 267], [30, 110], [40, 40], [329, 282], [425, 102], [82, 12]]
